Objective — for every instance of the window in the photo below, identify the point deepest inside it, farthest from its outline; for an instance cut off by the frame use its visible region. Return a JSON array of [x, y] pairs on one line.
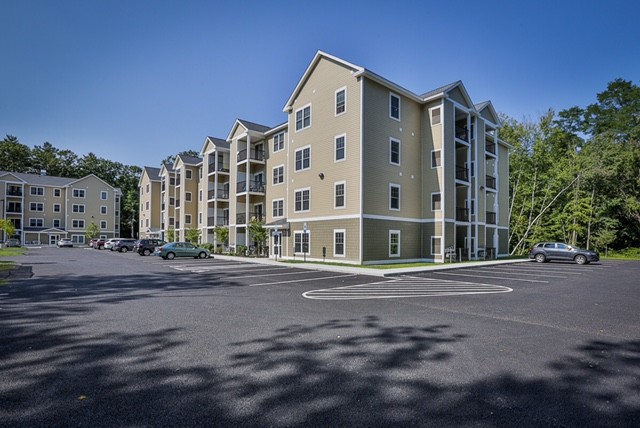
[[301, 200], [394, 197], [78, 193], [56, 208], [103, 209], [172, 181], [36, 206], [103, 224], [303, 159], [394, 243], [341, 101], [338, 243], [77, 223], [394, 151], [301, 242], [56, 222], [57, 193], [77, 239], [436, 245], [146, 222], [37, 191], [77, 208], [436, 201], [172, 201], [36, 222], [171, 221], [187, 218], [394, 106], [435, 116], [147, 187], [188, 174], [340, 148], [187, 198], [436, 160], [339, 200], [278, 175], [278, 142], [104, 195], [278, 208], [303, 118]]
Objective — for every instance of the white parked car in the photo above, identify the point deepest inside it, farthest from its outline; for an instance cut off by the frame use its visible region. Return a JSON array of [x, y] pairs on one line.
[[65, 242], [110, 243]]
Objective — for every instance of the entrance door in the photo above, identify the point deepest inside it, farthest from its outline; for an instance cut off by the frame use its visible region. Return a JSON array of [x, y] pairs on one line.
[[277, 244], [53, 239]]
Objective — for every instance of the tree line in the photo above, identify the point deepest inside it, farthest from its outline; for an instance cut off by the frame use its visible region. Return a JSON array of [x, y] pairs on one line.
[[575, 175], [18, 157]]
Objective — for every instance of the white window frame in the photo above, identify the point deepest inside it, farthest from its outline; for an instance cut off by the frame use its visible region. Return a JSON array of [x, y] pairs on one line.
[[279, 176], [344, 195], [57, 222], [392, 185], [395, 232], [57, 192], [188, 197], [344, 148], [439, 152], [301, 233], [391, 96], [301, 191], [302, 110], [36, 207], [104, 195], [36, 220], [431, 110], [280, 212], [103, 224], [431, 201], [433, 238], [188, 174], [187, 219], [344, 242], [391, 142], [77, 223], [104, 210], [76, 193], [57, 208], [278, 142], [36, 191], [77, 239], [295, 159], [344, 106], [80, 211]]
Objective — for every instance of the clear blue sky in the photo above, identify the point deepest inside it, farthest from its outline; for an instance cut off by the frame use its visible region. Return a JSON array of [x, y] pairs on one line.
[[135, 81]]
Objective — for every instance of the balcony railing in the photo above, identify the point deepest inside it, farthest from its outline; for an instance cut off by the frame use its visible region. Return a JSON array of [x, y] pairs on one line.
[[462, 133], [222, 221], [177, 181], [491, 182], [254, 186], [219, 168], [243, 219], [220, 194], [163, 186], [177, 203], [462, 214], [253, 154], [490, 147], [14, 209], [177, 225], [462, 173], [14, 192], [491, 217]]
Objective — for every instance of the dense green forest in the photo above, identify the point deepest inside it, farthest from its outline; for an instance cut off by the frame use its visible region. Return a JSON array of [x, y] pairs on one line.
[[575, 175], [17, 157]]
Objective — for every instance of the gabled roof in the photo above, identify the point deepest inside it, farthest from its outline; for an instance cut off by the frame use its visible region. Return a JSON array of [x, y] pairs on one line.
[[151, 172], [42, 180], [486, 109], [166, 167], [89, 176], [441, 90], [217, 142], [7, 176], [188, 160], [248, 126]]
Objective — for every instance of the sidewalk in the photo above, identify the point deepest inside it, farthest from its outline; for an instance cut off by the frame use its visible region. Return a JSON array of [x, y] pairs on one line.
[[357, 270]]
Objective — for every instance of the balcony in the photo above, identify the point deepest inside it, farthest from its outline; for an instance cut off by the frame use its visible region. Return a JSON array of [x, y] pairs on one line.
[[254, 186], [222, 221], [14, 209], [220, 194], [177, 225], [14, 191], [163, 186], [491, 217], [490, 147], [219, 168], [462, 173], [178, 181], [491, 182], [462, 214], [254, 154], [177, 203], [462, 133], [242, 217]]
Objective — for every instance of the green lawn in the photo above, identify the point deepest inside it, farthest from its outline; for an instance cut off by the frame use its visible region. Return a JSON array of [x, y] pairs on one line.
[[12, 251]]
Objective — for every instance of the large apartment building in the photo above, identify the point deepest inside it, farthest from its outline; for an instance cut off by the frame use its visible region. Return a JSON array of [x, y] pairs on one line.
[[44, 209], [150, 203], [362, 171]]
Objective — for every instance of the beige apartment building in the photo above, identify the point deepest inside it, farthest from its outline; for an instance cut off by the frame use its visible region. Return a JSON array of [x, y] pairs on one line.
[[362, 171], [44, 209], [149, 224]]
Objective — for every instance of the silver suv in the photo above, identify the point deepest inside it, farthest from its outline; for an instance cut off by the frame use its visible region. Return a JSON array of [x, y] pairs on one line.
[[546, 251]]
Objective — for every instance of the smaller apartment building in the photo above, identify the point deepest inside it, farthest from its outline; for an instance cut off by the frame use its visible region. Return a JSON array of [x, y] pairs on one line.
[[362, 171], [150, 203], [44, 209]]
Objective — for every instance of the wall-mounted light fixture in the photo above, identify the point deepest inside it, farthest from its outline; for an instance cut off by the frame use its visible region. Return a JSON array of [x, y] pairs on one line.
[[321, 175]]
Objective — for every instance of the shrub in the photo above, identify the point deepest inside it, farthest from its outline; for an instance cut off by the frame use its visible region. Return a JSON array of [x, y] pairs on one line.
[[241, 250]]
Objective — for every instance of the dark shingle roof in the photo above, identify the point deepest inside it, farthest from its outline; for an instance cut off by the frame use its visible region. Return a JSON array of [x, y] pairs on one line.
[[219, 142], [41, 180], [190, 160], [153, 173], [254, 126], [441, 89]]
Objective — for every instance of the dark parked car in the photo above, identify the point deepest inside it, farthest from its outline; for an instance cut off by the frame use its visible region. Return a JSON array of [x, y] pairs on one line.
[[146, 247], [545, 251], [123, 245], [181, 249]]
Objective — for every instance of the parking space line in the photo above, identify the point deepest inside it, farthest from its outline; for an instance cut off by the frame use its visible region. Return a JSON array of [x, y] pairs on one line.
[[492, 277], [303, 280], [546, 275], [261, 274]]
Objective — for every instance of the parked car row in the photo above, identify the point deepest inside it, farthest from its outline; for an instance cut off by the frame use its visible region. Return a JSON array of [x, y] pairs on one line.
[[147, 247]]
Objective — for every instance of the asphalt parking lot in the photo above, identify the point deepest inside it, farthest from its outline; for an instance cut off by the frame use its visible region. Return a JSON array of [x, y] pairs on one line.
[[97, 338]]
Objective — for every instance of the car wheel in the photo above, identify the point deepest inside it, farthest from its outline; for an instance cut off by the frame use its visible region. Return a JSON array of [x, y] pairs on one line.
[[540, 258], [101, 247], [170, 256], [124, 249], [202, 255], [146, 252], [580, 259]]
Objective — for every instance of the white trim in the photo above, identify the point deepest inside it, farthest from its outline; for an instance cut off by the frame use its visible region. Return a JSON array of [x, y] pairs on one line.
[[394, 95], [440, 156], [393, 232], [391, 141], [302, 200], [283, 210], [361, 177], [106, 209], [324, 218], [344, 195], [59, 191], [79, 220], [399, 197], [106, 224], [344, 148], [295, 118], [84, 193], [34, 218], [31, 188], [335, 99], [431, 202], [283, 141], [344, 242], [441, 253], [273, 175], [302, 232], [439, 106], [301, 149], [401, 219], [41, 204]]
